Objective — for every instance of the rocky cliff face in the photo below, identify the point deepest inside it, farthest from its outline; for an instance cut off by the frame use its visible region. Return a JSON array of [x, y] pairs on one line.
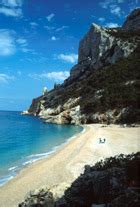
[[96, 44], [103, 86], [99, 48]]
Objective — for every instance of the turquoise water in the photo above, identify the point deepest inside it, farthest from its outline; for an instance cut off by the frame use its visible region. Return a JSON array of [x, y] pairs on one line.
[[25, 139]]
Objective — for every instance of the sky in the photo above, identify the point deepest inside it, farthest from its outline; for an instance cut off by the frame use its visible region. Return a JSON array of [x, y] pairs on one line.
[[39, 42]]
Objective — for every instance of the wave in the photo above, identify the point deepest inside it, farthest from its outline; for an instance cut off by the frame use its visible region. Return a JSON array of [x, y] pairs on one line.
[[12, 172], [39, 155], [5, 179], [33, 158], [36, 157], [28, 162], [13, 168]]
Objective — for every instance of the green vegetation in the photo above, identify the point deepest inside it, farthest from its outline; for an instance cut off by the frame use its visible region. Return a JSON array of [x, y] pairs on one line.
[[107, 182], [120, 85], [121, 161], [120, 33], [112, 87]]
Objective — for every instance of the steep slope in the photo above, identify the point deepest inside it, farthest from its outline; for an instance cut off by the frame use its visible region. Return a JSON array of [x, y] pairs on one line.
[[103, 86]]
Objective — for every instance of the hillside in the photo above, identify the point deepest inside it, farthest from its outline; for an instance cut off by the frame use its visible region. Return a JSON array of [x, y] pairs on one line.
[[104, 86]]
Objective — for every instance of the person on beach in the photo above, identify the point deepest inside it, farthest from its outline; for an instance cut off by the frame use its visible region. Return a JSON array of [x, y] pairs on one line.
[[102, 141]]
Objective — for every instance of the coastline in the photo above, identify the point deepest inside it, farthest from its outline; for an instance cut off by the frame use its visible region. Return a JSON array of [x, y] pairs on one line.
[[29, 160], [61, 168]]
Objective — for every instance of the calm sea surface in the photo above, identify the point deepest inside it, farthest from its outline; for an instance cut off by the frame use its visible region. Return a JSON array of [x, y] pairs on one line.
[[25, 139]]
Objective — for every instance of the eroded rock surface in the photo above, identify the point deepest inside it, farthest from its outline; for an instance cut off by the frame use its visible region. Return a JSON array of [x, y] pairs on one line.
[[96, 90]]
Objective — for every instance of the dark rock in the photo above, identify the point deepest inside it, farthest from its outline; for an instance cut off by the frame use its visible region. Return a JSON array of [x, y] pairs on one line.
[[130, 199], [132, 22], [41, 198], [108, 184], [105, 184]]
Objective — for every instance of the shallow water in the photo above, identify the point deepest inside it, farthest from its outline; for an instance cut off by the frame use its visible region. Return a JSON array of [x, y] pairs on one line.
[[25, 139]]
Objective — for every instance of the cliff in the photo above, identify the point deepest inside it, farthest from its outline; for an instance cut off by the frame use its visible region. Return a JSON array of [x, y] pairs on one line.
[[103, 85]]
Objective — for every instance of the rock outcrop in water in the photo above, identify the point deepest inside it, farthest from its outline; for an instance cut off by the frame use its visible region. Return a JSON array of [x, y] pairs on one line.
[[114, 182], [103, 86]]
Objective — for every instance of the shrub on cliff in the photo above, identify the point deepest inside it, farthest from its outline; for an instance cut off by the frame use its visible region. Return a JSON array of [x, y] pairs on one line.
[[114, 181], [108, 182]]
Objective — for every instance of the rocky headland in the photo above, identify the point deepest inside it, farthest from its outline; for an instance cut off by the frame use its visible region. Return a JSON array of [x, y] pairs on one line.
[[103, 85]]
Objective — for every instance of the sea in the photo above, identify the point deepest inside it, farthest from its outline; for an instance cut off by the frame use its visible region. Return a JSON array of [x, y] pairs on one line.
[[26, 139]]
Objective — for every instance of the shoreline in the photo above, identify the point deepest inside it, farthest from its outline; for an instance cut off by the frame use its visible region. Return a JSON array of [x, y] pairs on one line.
[[62, 167], [15, 170]]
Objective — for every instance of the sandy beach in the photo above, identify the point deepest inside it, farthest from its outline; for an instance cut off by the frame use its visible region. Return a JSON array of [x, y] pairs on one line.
[[62, 167]]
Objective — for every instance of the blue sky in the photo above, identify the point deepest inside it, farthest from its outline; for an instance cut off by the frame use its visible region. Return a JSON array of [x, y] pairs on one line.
[[39, 42]]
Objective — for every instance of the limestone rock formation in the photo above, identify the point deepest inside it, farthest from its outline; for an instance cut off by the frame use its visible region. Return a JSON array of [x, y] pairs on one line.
[[97, 89], [99, 47]]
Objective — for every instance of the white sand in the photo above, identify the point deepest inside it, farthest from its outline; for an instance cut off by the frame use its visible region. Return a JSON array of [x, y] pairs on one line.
[[66, 164]]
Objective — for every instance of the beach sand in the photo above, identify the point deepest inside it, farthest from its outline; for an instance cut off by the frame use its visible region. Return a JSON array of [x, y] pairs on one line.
[[60, 169]]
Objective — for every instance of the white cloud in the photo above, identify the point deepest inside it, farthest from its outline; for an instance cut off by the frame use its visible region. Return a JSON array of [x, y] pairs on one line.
[[70, 58], [49, 28], [114, 9], [101, 19], [112, 25], [33, 24], [55, 76], [53, 38], [12, 3], [23, 45], [61, 28], [22, 41], [105, 4], [11, 7], [4, 78], [11, 11], [113, 6], [50, 17], [7, 42]]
